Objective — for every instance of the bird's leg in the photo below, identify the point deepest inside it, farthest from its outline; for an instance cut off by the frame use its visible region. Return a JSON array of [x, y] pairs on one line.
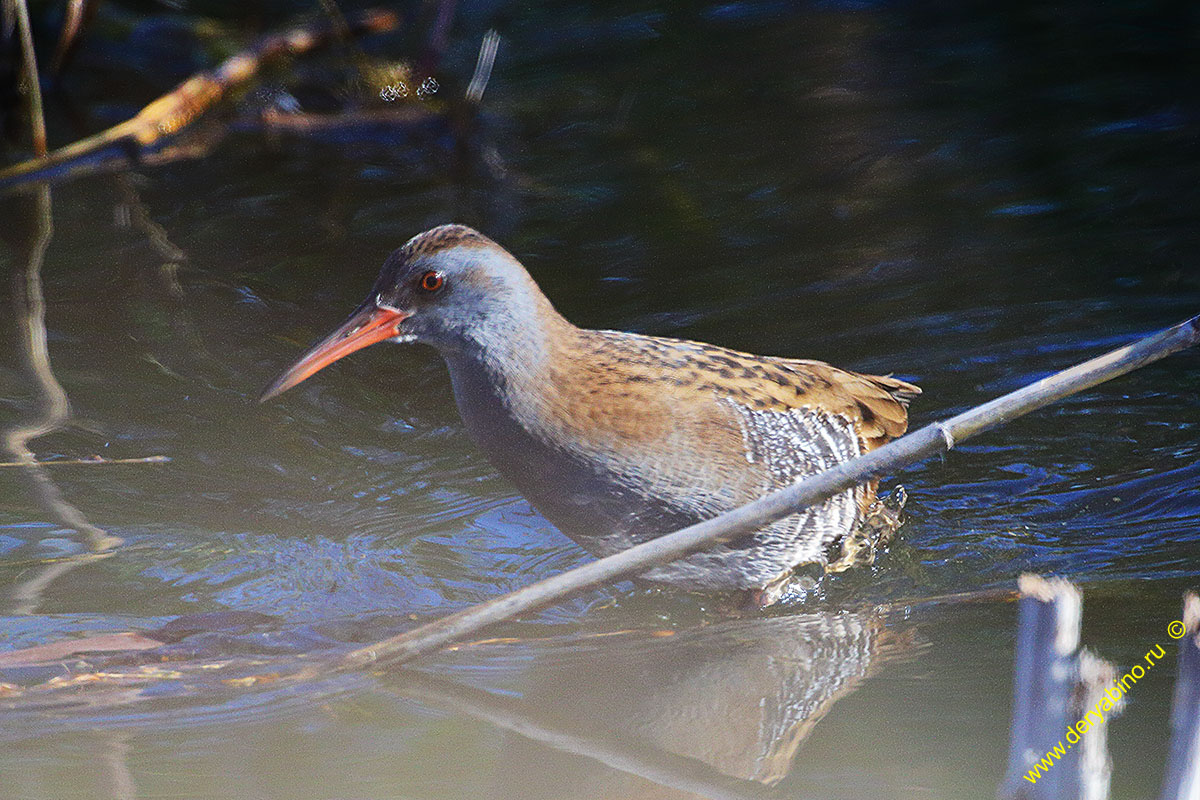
[[876, 530]]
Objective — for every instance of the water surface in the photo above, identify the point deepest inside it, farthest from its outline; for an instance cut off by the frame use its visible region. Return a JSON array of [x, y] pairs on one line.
[[969, 199]]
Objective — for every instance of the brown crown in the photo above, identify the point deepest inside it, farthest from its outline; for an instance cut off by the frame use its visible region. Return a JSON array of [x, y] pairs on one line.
[[441, 238]]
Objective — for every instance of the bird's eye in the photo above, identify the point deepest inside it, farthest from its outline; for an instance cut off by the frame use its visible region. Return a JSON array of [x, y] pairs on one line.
[[432, 281]]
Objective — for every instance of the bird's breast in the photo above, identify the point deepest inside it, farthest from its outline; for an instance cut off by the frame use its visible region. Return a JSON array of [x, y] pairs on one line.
[[604, 456], [614, 454]]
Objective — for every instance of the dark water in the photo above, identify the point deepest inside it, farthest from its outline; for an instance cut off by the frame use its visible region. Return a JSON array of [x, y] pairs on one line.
[[970, 199]]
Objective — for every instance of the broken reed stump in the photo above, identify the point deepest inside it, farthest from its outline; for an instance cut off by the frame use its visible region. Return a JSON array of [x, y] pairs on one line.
[[1049, 675], [1181, 781], [1044, 676], [1063, 698]]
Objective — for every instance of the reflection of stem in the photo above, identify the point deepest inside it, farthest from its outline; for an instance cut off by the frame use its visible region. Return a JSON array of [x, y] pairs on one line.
[[139, 216], [439, 34], [27, 596], [136, 214], [29, 311], [345, 34], [116, 766], [641, 759]]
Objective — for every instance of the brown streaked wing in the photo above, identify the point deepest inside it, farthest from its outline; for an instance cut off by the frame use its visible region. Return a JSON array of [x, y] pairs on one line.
[[876, 405]]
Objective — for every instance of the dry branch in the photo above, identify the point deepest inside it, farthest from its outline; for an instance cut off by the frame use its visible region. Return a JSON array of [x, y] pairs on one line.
[[78, 12], [87, 462], [933, 439], [161, 122], [37, 118]]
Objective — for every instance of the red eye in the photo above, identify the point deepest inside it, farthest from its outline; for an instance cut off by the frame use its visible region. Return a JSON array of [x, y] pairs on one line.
[[432, 281]]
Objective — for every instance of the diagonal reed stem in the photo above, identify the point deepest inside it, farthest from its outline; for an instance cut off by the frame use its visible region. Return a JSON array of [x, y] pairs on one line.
[[932, 439]]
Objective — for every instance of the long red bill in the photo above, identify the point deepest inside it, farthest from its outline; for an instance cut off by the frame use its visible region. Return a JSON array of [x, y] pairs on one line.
[[366, 327]]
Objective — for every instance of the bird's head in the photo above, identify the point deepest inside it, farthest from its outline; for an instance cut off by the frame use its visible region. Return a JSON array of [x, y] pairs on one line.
[[450, 287]]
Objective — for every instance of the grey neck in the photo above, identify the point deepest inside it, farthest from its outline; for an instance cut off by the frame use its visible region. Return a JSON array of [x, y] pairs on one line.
[[501, 378]]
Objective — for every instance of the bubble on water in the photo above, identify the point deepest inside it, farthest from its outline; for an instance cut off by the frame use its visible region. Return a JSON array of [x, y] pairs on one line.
[[393, 92], [428, 86]]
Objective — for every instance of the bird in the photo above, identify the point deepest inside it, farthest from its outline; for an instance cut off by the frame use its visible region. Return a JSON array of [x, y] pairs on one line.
[[616, 437]]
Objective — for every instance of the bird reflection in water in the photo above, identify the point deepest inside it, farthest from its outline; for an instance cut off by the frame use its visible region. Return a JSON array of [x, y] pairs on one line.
[[717, 711]]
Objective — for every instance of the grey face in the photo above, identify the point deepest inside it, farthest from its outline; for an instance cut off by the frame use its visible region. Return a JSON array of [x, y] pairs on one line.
[[468, 298], [459, 297]]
